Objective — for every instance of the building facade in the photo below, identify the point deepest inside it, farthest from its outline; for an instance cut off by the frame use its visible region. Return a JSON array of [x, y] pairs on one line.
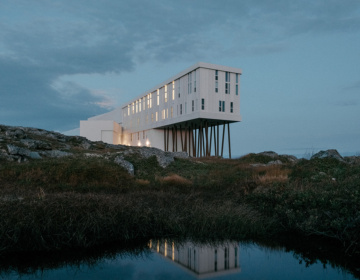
[[191, 112]]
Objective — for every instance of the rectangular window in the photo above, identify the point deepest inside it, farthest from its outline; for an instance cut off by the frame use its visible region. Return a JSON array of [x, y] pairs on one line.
[[165, 93], [193, 105], [180, 109], [221, 106], [163, 114], [133, 108], [231, 107], [216, 75], [216, 86], [227, 88], [173, 90], [227, 77], [179, 87], [189, 82], [237, 90], [171, 112], [152, 117], [185, 107], [195, 81], [128, 110], [202, 104], [227, 82], [158, 97]]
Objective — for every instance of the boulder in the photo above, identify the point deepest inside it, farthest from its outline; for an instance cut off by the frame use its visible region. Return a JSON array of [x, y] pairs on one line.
[[332, 153]]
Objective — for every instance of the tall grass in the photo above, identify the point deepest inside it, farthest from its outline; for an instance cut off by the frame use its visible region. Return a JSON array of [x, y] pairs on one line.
[[81, 202]]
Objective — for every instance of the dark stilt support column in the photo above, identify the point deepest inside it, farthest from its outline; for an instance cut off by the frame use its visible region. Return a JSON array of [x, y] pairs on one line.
[[222, 144], [229, 140]]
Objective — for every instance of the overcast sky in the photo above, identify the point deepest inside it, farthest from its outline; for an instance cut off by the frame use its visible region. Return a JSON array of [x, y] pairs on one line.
[[65, 61]]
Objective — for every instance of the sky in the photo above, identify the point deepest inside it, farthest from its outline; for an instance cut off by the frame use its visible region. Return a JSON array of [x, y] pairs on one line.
[[65, 61]]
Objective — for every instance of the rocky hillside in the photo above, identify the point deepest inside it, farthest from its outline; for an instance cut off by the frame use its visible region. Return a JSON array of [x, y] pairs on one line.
[[25, 144]]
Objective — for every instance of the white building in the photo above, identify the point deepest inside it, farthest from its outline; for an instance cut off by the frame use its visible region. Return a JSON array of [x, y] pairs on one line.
[[184, 113]]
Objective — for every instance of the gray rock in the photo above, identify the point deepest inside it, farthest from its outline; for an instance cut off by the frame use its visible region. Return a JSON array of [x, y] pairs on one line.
[[125, 164], [269, 154], [55, 154], [34, 155], [332, 153], [275, 162], [36, 144]]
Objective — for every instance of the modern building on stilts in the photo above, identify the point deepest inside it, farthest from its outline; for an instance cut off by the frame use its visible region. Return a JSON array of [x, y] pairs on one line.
[[191, 112]]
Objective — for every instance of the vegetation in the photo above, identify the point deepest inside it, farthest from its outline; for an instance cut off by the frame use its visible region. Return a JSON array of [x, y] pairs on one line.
[[80, 202]]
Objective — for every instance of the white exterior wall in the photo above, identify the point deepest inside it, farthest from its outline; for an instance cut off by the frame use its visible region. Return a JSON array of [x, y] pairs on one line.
[[101, 130], [143, 120]]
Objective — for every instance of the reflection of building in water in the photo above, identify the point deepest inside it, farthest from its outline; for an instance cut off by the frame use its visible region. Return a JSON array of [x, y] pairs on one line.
[[201, 260]]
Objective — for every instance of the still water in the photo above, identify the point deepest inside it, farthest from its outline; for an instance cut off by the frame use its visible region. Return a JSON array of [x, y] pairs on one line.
[[188, 260]]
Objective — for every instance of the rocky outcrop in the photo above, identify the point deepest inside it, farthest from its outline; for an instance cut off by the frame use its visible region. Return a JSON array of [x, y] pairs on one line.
[[24, 144], [332, 153]]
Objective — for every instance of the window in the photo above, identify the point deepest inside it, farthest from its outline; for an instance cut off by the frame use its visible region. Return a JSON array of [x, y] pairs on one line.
[[221, 106], [185, 107], [171, 112], [192, 105], [227, 82], [173, 90], [163, 114], [128, 110], [231, 107], [179, 87], [195, 81], [152, 117], [216, 81], [180, 109], [158, 98], [189, 82], [237, 84], [133, 108], [202, 104], [226, 258], [156, 116], [165, 96]]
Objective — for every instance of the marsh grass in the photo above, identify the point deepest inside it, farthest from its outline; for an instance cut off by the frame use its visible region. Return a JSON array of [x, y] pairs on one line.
[[83, 202]]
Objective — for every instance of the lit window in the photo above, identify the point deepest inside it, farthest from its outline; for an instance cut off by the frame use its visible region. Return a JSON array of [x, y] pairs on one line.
[[163, 114], [165, 93]]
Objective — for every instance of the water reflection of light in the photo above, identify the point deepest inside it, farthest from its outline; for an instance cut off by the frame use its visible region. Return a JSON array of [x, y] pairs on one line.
[[201, 259]]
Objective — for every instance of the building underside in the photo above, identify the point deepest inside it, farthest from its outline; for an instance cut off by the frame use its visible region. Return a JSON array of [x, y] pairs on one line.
[[199, 138]]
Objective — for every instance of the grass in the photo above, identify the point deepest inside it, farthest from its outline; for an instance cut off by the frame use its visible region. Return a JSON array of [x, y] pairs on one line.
[[82, 202]]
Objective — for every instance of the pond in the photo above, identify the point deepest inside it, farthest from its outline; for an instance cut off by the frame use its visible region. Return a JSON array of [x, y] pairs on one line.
[[162, 259]]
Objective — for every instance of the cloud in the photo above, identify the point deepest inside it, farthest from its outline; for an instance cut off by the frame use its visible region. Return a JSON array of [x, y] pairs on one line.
[[42, 41]]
